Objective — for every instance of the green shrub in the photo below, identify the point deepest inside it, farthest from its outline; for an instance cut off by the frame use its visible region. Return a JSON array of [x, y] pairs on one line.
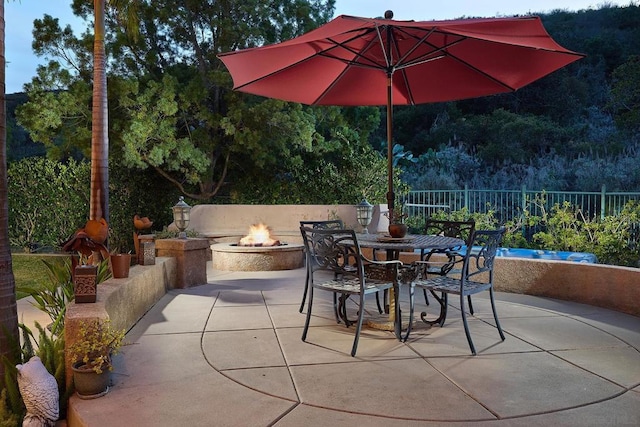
[[565, 228], [52, 296], [48, 201]]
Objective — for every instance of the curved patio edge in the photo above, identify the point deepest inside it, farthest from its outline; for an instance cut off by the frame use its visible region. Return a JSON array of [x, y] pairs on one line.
[[607, 286]]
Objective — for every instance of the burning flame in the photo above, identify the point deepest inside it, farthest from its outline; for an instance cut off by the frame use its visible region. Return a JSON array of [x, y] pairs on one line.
[[259, 235]]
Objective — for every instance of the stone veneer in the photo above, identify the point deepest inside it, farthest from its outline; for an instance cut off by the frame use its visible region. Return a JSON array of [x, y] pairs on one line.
[[191, 255], [231, 257]]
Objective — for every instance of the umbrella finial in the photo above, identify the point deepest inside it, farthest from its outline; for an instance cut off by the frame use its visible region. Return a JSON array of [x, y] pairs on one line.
[[388, 14]]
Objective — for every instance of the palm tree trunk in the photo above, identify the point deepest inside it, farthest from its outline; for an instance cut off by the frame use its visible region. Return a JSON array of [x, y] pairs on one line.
[[8, 308], [99, 202]]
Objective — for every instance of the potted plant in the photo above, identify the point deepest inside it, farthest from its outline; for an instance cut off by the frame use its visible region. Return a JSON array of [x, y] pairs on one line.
[[397, 227], [92, 354]]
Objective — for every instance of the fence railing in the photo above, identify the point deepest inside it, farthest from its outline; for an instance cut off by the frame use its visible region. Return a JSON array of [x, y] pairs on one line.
[[509, 204]]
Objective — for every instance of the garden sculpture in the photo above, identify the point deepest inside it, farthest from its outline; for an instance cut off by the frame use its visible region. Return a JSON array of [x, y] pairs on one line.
[[139, 224], [39, 391], [89, 239]]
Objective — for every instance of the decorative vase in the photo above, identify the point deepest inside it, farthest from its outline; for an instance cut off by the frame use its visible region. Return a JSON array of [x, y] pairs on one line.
[[84, 283], [120, 264], [147, 249], [89, 384], [398, 230]]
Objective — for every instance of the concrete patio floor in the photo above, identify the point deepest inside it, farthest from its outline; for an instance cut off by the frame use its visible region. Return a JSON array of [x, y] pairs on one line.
[[229, 353]]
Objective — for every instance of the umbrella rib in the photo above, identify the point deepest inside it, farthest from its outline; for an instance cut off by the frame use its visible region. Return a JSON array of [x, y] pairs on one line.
[[326, 53], [385, 53], [348, 63], [445, 53], [358, 55]]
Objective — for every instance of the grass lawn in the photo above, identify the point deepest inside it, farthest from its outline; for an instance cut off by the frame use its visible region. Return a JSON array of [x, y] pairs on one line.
[[29, 270]]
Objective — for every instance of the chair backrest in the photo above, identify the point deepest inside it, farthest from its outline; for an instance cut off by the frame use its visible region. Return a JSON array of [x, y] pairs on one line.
[[481, 254], [328, 249], [323, 225], [454, 258], [460, 229]]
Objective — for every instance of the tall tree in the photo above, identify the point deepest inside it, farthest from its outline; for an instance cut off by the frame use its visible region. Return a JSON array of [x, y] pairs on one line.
[[99, 202], [8, 308], [171, 93]]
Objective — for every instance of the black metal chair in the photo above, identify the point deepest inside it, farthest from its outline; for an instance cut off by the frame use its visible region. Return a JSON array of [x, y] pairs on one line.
[[478, 259], [337, 251], [437, 264], [331, 224]]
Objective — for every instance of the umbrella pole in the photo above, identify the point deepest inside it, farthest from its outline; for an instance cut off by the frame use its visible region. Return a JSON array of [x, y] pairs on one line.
[[390, 194]]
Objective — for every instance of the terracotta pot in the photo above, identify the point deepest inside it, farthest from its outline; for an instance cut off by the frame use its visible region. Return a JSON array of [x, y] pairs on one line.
[[398, 230], [88, 384], [120, 264]]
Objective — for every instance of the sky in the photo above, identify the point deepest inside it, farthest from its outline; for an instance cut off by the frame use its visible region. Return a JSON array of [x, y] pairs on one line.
[[20, 14]]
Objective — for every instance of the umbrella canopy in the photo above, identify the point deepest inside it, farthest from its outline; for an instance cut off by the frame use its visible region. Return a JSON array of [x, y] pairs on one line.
[[353, 61]]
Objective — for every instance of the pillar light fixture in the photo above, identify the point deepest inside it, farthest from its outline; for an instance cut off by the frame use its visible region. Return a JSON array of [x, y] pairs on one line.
[[181, 213], [364, 214]]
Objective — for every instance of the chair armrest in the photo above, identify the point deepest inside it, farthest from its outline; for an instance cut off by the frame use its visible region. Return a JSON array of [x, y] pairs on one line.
[[370, 261], [382, 270]]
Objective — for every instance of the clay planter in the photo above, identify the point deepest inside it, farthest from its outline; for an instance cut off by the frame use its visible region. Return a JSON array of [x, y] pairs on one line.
[[398, 230], [120, 264], [88, 384]]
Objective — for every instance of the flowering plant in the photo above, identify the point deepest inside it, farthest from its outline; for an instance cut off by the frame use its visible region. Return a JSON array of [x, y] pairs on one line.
[[95, 345]]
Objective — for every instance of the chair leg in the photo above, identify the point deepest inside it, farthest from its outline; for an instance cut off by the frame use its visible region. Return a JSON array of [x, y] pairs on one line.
[[466, 326], [304, 295], [495, 314], [336, 311], [380, 310], [385, 299], [411, 309], [342, 309], [470, 304], [443, 301], [443, 309], [397, 313], [308, 319], [358, 327], [426, 298]]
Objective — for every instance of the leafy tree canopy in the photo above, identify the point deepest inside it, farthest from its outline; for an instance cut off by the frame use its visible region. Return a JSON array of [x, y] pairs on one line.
[[170, 104], [172, 110]]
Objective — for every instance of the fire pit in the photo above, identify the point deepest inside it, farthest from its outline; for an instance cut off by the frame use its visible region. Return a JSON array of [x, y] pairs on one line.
[[258, 251]]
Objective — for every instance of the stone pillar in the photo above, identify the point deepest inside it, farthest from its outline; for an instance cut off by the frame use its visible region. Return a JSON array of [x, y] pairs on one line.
[[192, 257]]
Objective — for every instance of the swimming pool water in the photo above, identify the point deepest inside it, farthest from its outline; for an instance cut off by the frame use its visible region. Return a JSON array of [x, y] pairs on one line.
[[584, 257]]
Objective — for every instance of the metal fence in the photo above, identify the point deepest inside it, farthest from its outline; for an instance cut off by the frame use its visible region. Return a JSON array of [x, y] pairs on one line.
[[509, 204]]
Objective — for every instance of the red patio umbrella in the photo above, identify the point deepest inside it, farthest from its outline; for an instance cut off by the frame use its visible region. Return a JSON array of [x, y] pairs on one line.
[[354, 61]]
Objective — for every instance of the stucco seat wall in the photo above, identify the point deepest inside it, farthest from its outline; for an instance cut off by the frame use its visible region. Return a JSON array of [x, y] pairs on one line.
[[122, 301], [608, 286], [227, 223]]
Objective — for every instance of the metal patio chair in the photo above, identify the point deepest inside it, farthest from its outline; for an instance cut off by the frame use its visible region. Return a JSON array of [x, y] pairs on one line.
[[337, 251], [331, 224], [476, 275], [438, 265]]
